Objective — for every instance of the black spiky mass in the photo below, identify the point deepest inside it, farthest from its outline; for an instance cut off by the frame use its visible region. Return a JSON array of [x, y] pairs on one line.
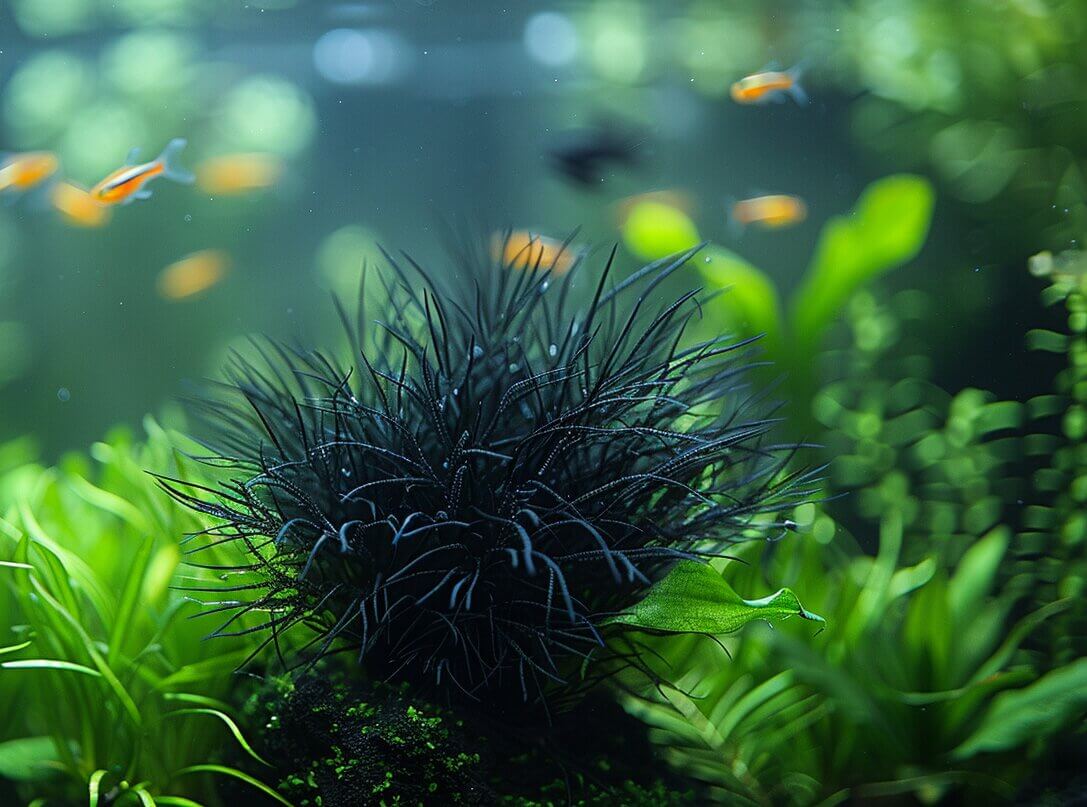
[[508, 458]]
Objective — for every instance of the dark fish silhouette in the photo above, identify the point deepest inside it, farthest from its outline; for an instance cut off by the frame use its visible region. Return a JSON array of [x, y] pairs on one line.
[[583, 155]]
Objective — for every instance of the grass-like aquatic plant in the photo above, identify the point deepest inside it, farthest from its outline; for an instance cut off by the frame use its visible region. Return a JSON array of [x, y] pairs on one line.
[[107, 693], [509, 460]]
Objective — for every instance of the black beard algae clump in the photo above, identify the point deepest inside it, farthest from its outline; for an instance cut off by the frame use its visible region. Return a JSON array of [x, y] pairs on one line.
[[508, 459]]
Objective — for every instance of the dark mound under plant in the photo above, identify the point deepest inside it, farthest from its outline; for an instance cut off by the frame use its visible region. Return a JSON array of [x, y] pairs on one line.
[[504, 468]]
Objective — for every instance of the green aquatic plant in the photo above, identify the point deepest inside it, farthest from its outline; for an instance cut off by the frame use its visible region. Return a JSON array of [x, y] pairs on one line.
[[885, 230], [499, 474], [947, 640], [1053, 542], [903, 697], [107, 691], [947, 463]]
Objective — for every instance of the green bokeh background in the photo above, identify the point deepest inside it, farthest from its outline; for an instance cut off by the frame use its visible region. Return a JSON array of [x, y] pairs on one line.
[[457, 140]]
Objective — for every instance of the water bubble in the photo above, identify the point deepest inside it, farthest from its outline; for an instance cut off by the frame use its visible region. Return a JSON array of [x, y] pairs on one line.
[[514, 367], [545, 286], [477, 351], [707, 259], [456, 391], [553, 350], [445, 465], [188, 217], [346, 472], [64, 394]]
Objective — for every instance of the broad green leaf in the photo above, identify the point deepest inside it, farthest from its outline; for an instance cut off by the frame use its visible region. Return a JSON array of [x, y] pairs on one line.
[[694, 598], [887, 227], [27, 758], [654, 230], [976, 574], [1021, 715], [909, 579], [748, 300]]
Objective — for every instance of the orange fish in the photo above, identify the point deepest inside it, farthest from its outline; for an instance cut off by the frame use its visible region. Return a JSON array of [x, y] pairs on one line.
[[127, 184], [78, 206], [193, 274], [522, 249], [769, 85], [22, 172], [769, 212], [238, 173]]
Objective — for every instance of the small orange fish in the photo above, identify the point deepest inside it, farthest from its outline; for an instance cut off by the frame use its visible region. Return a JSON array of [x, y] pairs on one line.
[[769, 212], [22, 172], [522, 249], [127, 184], [193, 274], [238, 173], [77, 206], [769, 85]]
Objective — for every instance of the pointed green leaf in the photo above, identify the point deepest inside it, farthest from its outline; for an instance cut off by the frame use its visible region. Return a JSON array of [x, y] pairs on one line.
[[1021, 715], [886, 228], [228, 722], [976, 574], [694, 598], [49, 664]]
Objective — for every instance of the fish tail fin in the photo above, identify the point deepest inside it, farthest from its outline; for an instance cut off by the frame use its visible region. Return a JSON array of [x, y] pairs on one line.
[[735, 226], [170, 167], [795, 89]]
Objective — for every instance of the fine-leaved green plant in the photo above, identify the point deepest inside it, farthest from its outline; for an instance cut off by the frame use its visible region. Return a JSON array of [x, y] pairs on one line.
[[109, 692]]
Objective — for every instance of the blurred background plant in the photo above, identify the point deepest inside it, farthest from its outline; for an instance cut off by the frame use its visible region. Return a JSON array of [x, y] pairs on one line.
[[953, 665]]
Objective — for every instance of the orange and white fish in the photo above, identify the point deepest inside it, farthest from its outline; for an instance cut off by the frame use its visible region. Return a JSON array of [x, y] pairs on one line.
[[127, 184], [77, 206], [193, 274], [522, 249], [769, 85], [21, 172], [769, 212], [238, 173]]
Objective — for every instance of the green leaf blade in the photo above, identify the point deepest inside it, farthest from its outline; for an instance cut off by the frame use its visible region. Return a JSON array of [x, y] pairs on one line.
[[1016, 716], [694, 598]]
